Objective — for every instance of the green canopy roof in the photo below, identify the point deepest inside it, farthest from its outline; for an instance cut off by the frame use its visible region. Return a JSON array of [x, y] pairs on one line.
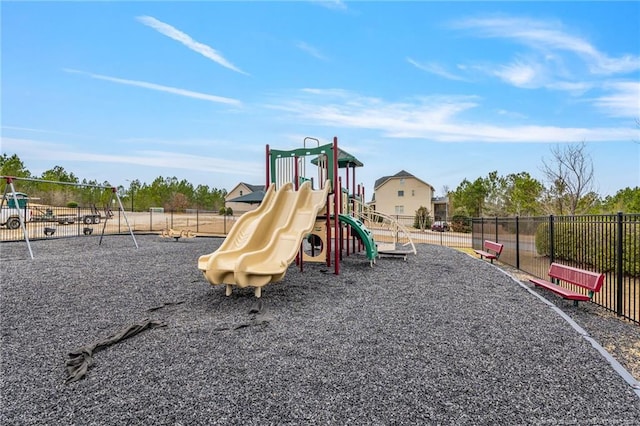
[[344, 160]]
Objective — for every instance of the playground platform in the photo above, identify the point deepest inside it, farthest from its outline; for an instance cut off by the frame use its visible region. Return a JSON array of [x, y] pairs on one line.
[[441, 338]]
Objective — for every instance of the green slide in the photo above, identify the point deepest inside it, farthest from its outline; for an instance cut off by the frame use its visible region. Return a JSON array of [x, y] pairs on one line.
[[365, 235]]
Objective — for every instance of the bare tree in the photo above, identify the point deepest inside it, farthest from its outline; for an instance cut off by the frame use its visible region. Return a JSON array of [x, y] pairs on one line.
[[570, 176]]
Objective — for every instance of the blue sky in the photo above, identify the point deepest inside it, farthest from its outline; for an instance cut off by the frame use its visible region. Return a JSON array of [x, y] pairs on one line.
[[115, 91]]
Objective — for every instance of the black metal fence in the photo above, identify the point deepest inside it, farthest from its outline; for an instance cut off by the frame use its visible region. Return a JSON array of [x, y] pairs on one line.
[[604, 243], [65, 222]]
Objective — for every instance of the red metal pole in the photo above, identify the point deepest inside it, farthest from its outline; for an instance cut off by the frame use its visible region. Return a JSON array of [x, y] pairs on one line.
[[266, 186], [328, 222], [337, 201], [348, 233]]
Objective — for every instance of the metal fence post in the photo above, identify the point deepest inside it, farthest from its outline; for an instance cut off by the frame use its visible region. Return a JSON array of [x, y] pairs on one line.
[[619, 247], [517, 242], [552, 250]]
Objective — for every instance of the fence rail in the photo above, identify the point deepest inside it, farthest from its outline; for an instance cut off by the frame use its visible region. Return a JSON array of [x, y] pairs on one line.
[[602, 243]]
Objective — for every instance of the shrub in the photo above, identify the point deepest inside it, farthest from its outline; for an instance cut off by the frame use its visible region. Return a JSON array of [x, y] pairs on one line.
[[591, 243], [72, 204], [422, 219], [460, 223]]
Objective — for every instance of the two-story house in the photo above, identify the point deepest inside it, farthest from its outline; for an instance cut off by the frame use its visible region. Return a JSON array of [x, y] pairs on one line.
[[404, 194]]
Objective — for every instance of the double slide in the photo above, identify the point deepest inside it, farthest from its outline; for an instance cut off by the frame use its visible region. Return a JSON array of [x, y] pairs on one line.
[[263, 243]]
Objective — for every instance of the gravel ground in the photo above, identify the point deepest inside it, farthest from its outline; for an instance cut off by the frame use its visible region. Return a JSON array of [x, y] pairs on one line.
[[442, 338]]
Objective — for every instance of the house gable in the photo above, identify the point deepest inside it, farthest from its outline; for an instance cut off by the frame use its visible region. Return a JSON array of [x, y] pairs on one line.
[[239, 190], [402, 194]]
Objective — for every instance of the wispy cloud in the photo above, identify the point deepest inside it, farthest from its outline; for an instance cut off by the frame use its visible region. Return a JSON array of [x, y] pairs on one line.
[[45, 131], [305, 47], [162, 160], [547, 36], [434, 118], [520, 74], [556, 59], [623, 99], [435, 68], [160, 88], [185, 39], [332, 4]]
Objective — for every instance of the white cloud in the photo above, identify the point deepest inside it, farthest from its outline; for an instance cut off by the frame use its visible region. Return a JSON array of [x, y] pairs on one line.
[[160, 88], [546, 36], [185, 39], [520, 74], [435, 118], [305, 47], [622, 101], [55, 152], [332, 4], [435, 68]]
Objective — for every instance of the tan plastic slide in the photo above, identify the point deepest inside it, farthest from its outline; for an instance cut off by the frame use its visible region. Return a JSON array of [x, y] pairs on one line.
[[264, 245], [218, 266], [241, 230]]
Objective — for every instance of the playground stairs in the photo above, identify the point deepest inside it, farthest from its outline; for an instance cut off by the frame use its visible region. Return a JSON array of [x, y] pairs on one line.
[[393, 238]]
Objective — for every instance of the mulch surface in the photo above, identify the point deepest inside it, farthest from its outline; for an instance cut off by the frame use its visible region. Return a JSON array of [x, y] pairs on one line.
[[442, 338]]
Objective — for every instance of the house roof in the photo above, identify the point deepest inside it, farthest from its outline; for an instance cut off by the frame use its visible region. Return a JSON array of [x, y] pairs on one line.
[[401, 174], [252, 188], [254, 197], [344, 160]]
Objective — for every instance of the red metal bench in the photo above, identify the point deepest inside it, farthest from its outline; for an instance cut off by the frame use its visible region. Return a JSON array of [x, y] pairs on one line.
[[491, 250], [591, 281]]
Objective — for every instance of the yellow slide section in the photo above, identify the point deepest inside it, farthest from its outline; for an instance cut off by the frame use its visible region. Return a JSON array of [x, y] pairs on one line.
[[218, 266], [261, 250]]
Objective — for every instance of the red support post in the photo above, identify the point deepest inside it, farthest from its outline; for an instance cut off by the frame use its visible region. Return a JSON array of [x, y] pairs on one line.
[[268, 180], [337, 201]]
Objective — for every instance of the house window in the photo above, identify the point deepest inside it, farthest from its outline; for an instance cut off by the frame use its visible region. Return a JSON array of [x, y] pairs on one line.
[[402, 181], [241, 192], [413, 192], [400, 193], [399, 209]]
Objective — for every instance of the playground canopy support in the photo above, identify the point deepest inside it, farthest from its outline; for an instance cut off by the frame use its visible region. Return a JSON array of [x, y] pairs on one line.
[[279, 170]]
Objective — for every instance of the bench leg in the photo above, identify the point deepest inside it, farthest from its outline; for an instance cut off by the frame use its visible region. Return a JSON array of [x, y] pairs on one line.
[[575, 303], [229, 290]]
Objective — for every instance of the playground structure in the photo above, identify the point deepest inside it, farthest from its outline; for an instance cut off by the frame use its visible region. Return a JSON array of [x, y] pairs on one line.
[[26, 216], [296, 221]]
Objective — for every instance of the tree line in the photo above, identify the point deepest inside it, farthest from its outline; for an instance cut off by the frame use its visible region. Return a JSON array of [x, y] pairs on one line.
[[166, 192], [570, 190]]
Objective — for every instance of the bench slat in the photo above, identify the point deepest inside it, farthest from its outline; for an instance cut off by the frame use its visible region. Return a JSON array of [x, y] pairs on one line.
[[486, 254], [564, 292], [490, 245], [491, 250], [590, 280]]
